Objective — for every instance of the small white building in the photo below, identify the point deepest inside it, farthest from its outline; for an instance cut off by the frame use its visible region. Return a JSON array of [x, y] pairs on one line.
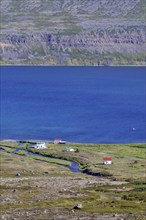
[[40, 145], [107, 160], [68, 148], [59, 141]]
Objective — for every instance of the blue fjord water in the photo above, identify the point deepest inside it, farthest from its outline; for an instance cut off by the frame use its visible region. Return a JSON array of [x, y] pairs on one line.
[[78, 104]]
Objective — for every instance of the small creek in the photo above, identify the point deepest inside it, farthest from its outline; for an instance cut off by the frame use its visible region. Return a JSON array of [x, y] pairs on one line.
[[74, 167]]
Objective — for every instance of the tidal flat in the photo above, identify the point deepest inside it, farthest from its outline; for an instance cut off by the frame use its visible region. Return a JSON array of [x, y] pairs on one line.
[[46, 189]]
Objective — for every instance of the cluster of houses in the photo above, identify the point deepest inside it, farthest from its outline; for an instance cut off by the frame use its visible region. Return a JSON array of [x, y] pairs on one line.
[[42, 145]]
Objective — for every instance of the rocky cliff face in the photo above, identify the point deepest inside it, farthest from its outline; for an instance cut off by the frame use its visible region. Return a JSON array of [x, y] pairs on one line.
[[79, 32]]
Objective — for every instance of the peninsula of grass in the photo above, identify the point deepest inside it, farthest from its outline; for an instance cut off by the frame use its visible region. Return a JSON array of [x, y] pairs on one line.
[[51, 160], [7, 149]]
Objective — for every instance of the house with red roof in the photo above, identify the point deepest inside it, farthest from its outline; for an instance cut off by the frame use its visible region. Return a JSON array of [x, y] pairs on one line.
[[107, 160], [59, 141]]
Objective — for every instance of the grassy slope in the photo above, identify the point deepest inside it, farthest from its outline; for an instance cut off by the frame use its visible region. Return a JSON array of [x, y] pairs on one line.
[[128, 160], [47, 17], [102, 196]]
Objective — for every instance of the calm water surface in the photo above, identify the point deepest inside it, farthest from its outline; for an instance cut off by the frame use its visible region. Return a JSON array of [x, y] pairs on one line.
[[78, 104]]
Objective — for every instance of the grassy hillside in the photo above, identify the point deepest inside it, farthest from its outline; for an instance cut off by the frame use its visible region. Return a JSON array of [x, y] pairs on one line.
[[73, 32], [52, 190]]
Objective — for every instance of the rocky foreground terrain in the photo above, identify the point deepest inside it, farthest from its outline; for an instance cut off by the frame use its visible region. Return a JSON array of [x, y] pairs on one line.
[[79, 32], [39, 186]]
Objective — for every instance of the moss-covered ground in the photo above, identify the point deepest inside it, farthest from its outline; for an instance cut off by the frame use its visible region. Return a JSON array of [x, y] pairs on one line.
[[46, 190]]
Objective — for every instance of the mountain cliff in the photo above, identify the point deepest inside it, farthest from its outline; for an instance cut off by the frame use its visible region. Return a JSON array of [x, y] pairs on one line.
[[79, 32]]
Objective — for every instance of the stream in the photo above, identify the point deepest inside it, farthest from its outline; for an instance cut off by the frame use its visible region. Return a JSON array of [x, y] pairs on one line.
[[74, 167]]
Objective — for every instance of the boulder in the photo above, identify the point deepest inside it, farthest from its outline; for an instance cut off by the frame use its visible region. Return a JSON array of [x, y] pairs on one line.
[[78, 206]]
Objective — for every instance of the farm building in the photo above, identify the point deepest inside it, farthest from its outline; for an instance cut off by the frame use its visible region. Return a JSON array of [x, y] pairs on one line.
[[68, 148], [59, 141], [40, 145], [107, 160]]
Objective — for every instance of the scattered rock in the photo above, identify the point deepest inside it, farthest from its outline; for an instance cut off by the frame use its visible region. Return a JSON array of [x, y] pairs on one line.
[[46, 172], [45, 211], [18, 174], [78, 206], [89, 182]]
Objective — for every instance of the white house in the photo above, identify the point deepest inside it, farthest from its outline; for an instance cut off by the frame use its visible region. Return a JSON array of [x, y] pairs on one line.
[[107, 160], [40, 145], [59, 141]]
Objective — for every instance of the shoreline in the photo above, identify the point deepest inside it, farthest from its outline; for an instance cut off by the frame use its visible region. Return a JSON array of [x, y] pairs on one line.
[[45, 65], [68, 142]]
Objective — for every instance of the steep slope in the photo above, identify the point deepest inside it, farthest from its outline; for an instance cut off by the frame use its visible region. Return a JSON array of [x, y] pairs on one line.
[[79, 32]]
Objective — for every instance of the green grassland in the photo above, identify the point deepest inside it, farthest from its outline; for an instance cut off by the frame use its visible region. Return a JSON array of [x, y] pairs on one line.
[[128, 161], [46, 185]]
